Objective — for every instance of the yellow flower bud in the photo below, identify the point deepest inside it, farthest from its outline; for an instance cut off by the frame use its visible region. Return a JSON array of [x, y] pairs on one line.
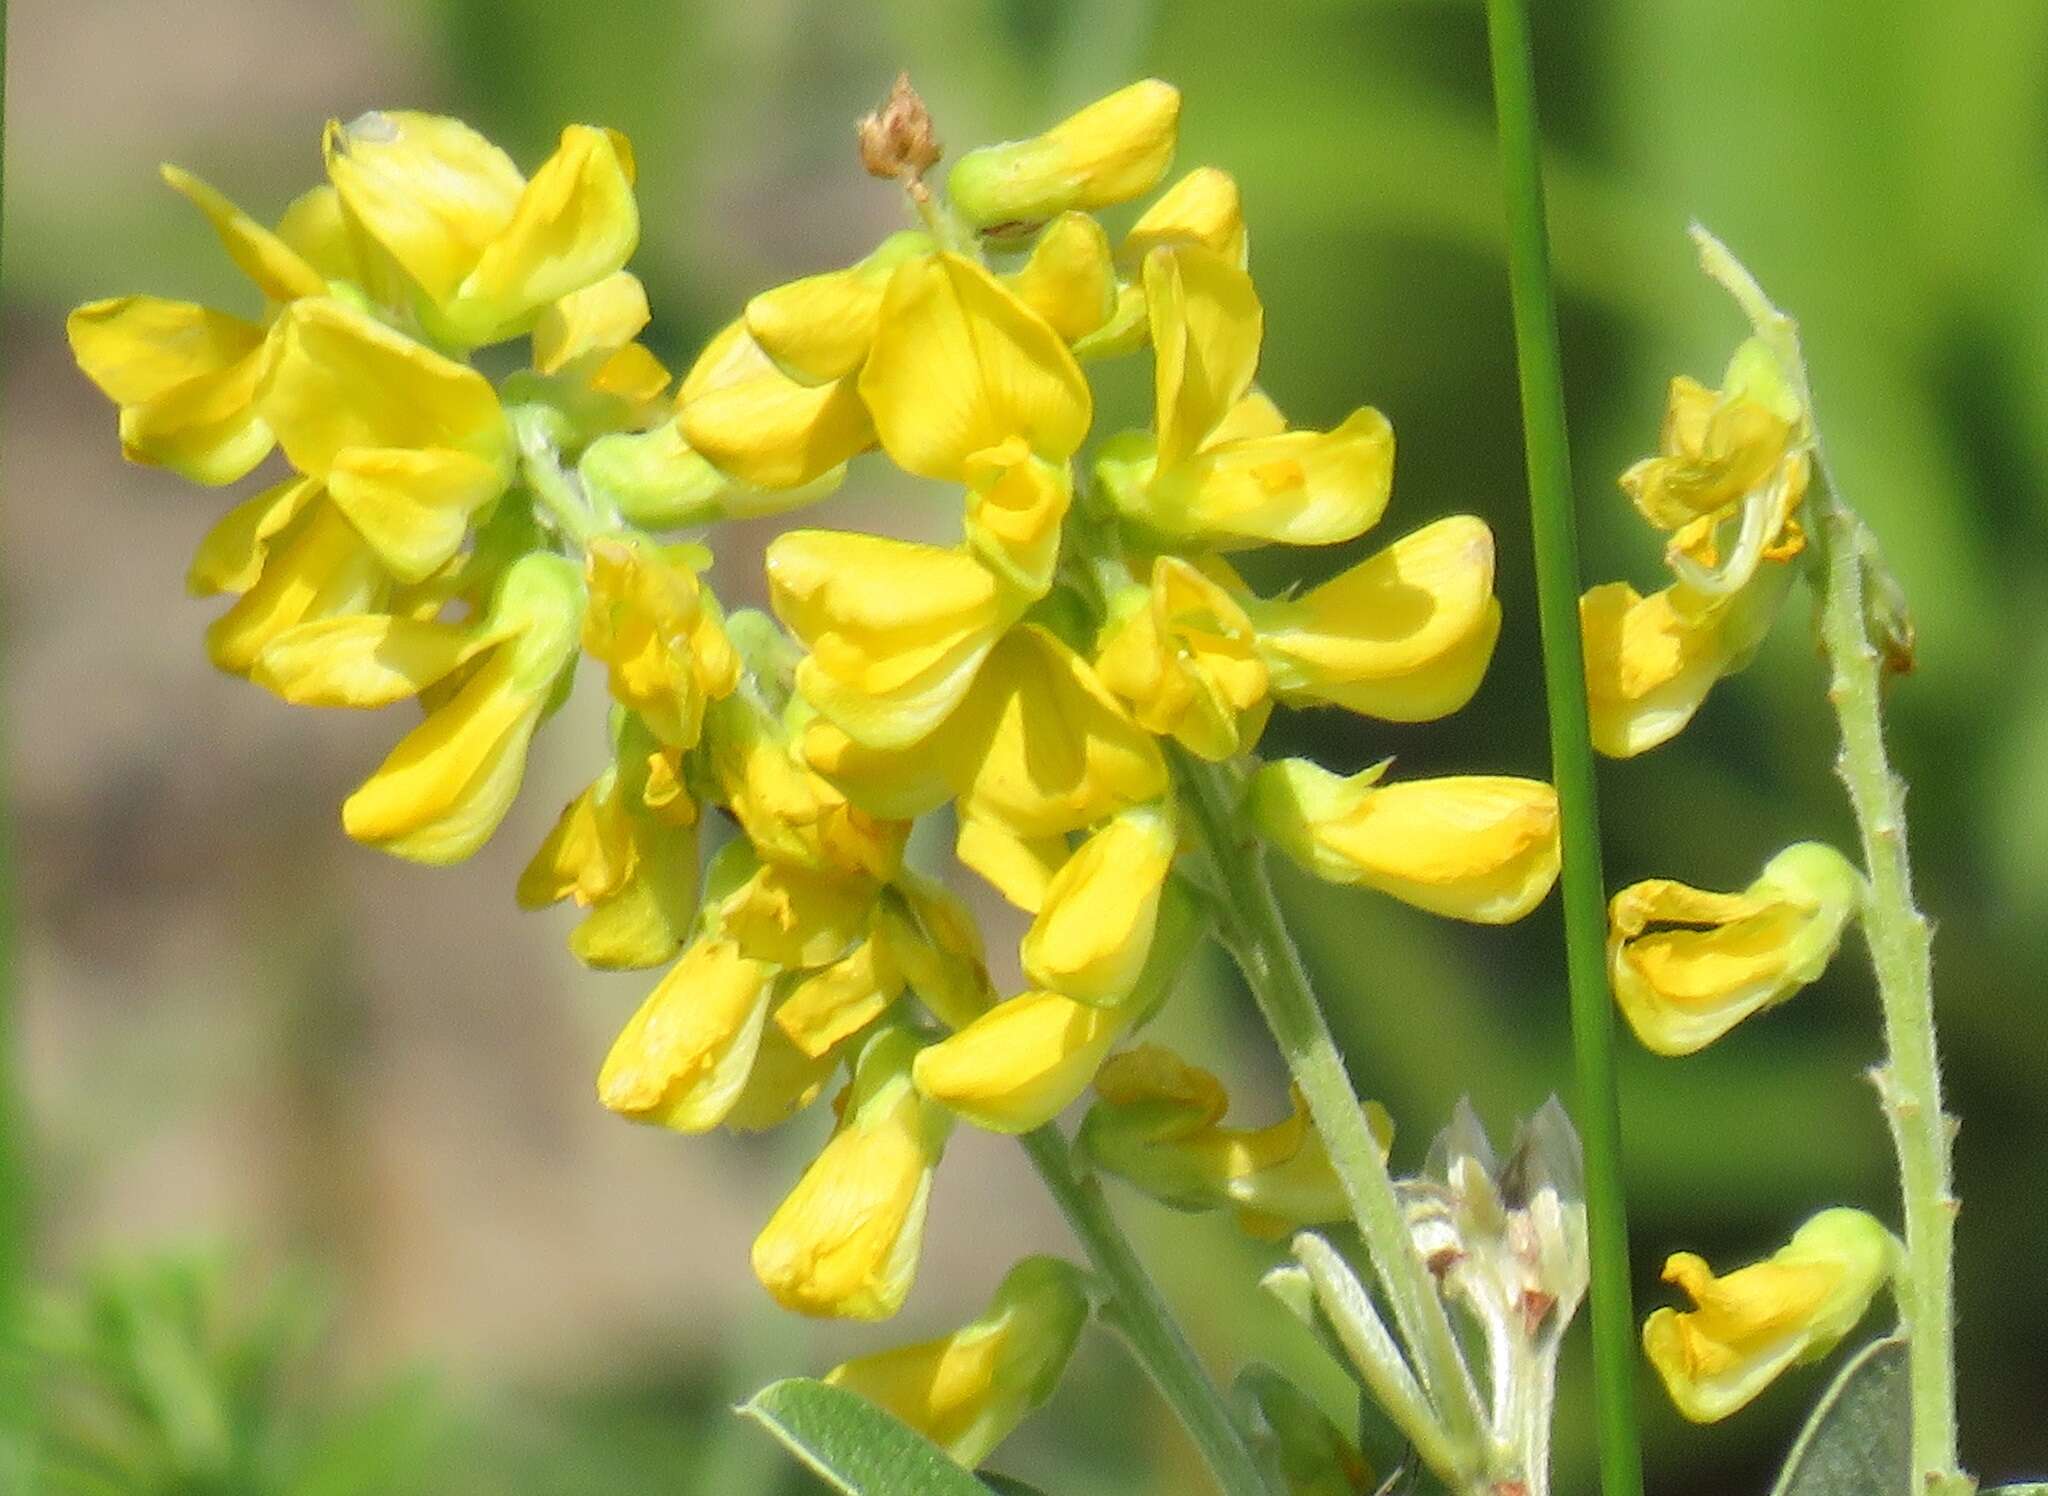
[[1206, 327], [683, 1059], [1183, 654], [486, 248], [657, 630], [1110, 152], [789, 812], [896, 630], [966, 1391], [410, 444], [1404, 635], [1018, 1065], [1159, 1127], [819, 329], [185, 377], [1688, 965], [1474, 847], [1069, 279], [753, 422], [449, 782], [1752, 1324], [840, 1000], [961, 364], [1094, 928], [795, 917], [845, 1243], [1015, 503]]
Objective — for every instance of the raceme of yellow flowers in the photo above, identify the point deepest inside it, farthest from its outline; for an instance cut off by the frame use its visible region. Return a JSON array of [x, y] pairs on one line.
[[427, 533], [1688, 964]]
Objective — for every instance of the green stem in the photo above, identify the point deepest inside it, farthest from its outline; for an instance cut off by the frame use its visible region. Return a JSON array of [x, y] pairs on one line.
[[1147, 1323], [540, 469], [1909, 1082], [1255, 932], [1571, 747]]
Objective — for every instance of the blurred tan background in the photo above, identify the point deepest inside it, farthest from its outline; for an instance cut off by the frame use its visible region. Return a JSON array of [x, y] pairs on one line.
[[238, 1027]]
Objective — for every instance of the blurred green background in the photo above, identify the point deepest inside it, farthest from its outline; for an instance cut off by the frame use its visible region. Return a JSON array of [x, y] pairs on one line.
[[235, 1028]]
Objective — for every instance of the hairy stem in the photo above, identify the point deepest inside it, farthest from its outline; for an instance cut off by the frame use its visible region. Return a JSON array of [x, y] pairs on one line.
[[1571, 746], [1909, 1081], [1142, 1315], [1255, 932]]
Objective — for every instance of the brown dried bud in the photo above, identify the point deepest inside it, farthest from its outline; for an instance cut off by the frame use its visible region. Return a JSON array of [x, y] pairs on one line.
[[896, 141]]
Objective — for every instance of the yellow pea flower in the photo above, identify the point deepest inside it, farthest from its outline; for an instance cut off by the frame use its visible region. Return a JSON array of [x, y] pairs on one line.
[[968, 1390], [783, 1081], [795, 917], [449, 782], [658, 481], [1015, 503], [1650, 661], [1183, 653], [936, 945], [1204, 207], [627, 852], [1158, 1126], [752, 422], [845, 1242], [1750, 1325], [684, 1058], [185, 377], [961, 364], [1476, 847], [1224, 471], [820, 328], [896, 630], [485, 248], [409, 444], [293, 559], [1405, 635], [839, 1000], [1688, 965], [788, 811], [1017, 1066], [1110, 152], [1094, 928], [585, 340], [1069, 278], [657, 630]]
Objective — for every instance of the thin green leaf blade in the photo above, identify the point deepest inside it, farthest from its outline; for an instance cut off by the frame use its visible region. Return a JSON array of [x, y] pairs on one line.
[[2028, 1488], [1857, 1440], [853, 1445]]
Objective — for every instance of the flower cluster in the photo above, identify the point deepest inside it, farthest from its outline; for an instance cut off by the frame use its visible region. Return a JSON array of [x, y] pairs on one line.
[[1688, 964], [1049, 678]]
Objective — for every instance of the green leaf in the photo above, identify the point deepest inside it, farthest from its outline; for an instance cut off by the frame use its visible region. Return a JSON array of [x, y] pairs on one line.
[[854, 1445], [1856, 1441], [2031, 1488]]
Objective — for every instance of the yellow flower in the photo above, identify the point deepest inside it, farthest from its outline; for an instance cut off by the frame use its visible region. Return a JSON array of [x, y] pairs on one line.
[[1069, 278], [1474, 847], [1018, 1065], [1688, 965], [1224, 471], [409, 444], [626, 854], [584, 342], [837, 1001], [1015, 503], [1752, 1324], [485, 248], [895, 630], [937, 947], [1203, 207], [1094, 928], [1183, 654], [820, 328], [1110, 152], [1159, 1127], [449, 782], [295, 559], [795, 917], [960, 364], [751, 421], [845, 1242], [657, 630], [684, 1058], [783, 1081], [1404, 635], [966, 1391], [1650, 661]]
